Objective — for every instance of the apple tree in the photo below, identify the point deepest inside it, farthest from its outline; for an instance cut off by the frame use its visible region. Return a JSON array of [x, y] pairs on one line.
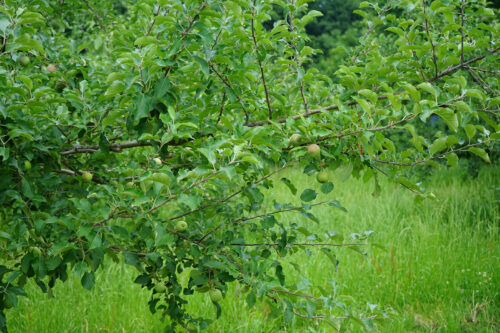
[[150, 131]]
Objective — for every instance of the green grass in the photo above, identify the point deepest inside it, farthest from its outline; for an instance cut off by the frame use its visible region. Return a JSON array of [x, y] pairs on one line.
[[439, 272]]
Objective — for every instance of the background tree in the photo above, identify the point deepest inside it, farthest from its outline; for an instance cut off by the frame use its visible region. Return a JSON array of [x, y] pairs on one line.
[[334, 33], [120, 121]]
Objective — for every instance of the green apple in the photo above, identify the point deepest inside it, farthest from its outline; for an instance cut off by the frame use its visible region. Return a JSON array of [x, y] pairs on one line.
[[215, 295], [181, 226], [27, 165], [322, 177], [314, 151], [157, 161], [160, 287], [295, 139], [87, 176], [24, 60], [51, 68]]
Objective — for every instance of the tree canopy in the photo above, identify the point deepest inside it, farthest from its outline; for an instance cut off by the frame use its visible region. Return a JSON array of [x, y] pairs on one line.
[[120, 119]]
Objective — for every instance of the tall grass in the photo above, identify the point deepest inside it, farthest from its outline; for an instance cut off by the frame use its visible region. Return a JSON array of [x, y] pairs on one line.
[[439, 269]]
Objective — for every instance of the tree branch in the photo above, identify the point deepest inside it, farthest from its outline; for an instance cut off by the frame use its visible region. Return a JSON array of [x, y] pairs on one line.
[[76, 173], [433, 157], [117, 147], [184, 34], [453, 69], [298, 244], [244, 219]]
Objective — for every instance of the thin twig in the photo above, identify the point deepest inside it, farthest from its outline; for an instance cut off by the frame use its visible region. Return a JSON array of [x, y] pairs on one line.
[[462, 7], [76, 173], [245, 219], [228, 84], [100, 19], [297, 62], [270, 112], [221, 106], [372, 129], [233, 195], [434, 59], [184, 34], [434, 157], [480, 81]]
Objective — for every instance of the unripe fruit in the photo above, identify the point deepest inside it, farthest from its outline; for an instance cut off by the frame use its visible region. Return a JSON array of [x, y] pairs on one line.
[[87, 176], [27, 165], [314, 151], [51, 68], [24, 60], [181, 226], [295, 139], [215, 295], [322, 177], [157, 161], [160, 287]]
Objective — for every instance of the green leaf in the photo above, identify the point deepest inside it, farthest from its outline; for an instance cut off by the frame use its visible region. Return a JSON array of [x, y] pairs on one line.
[[481, 153], [364, 105], [310, 308], [143, 107], [476, 93], [26, 80], [145, 40], [408, 183], [452, 159], [280, 275], [427, 87], [131, 259], [251, 299], [310, 16], [449, 117], [26, 43], [414, 93], [159, 177], [115, 89], [88, 280], [31, 18], [110, 119], [327, 187], [462, 106], [308, 195], [369, 94], [204, 65], [290, 185], [209, 155], [470, 130]]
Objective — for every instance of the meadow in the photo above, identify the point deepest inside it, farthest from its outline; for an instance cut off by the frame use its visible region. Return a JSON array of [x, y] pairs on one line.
[[438, 269]]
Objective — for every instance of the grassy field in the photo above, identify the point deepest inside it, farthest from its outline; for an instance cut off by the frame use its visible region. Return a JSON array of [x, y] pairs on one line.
[[439, 272]]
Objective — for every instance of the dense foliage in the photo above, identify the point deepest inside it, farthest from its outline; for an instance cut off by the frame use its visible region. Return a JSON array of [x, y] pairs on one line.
[[150, 129]]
